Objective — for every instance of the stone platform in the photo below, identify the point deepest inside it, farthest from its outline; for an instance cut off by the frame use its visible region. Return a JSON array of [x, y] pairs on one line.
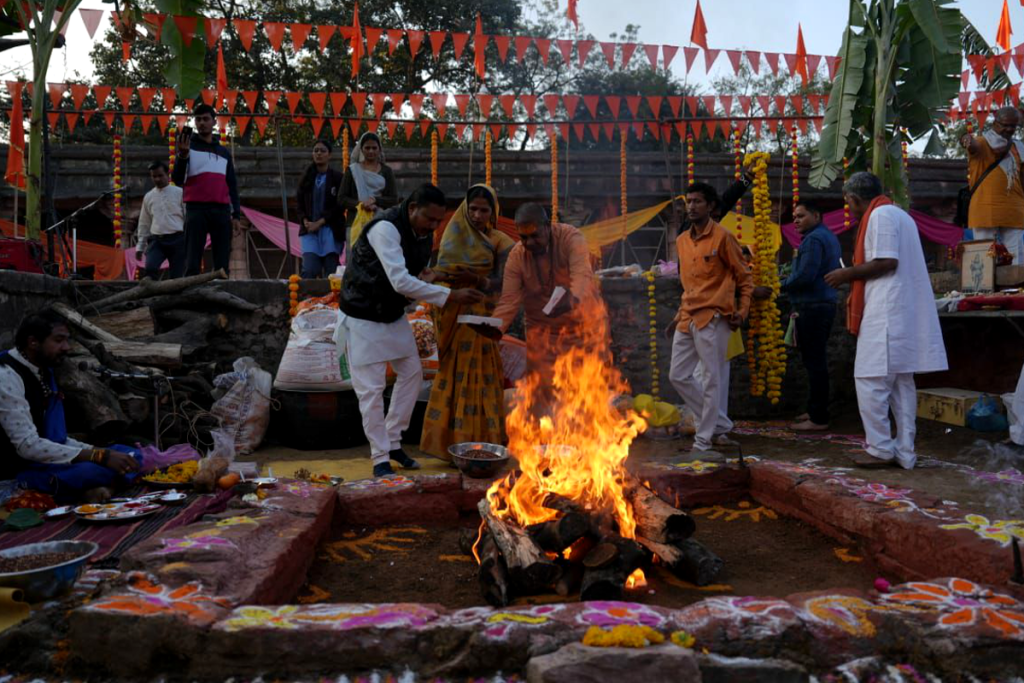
[[214, 600]]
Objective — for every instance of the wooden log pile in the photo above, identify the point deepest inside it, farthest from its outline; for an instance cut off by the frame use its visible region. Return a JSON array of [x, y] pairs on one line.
[[149, 332], [580, 551]]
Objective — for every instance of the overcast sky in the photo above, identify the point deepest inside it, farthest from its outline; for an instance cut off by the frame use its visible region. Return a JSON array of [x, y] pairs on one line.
[[766, 26]]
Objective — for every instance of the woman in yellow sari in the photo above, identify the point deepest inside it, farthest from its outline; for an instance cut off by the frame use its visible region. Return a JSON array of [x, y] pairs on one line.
[[467, 399]]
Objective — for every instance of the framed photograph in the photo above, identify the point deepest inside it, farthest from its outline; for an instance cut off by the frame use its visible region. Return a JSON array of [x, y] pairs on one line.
[[977, 268]]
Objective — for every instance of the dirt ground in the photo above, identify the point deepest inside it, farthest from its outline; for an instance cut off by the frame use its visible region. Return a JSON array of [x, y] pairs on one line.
[[764, 554]]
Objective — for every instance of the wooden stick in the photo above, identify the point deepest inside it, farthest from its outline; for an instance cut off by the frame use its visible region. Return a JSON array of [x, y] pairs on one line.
[[527, 564], [142, 353], [493, 573], [558, 534], [609, 581], [79, 321], [148, 288]]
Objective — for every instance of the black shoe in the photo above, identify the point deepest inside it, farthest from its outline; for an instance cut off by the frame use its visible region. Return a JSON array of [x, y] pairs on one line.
[[383, 470], [403, 459]]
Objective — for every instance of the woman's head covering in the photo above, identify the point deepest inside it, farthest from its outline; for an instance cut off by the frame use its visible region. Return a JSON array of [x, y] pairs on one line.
[[357, 152], [466, 249]]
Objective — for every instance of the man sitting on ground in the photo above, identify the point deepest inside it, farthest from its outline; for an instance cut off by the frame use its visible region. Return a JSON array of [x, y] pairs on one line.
[[35, 448]]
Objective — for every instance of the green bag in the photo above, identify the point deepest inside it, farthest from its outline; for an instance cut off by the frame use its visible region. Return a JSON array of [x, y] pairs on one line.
[[790, 338]]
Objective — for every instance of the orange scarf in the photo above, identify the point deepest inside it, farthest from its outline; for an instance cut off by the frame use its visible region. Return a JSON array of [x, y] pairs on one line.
[[855, 304]]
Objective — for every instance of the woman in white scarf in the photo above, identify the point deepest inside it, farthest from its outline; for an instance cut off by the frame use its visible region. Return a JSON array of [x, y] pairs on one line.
[[368, 181]]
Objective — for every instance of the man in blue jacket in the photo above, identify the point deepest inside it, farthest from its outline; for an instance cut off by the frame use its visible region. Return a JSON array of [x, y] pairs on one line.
[[814, 303], [206, 174]]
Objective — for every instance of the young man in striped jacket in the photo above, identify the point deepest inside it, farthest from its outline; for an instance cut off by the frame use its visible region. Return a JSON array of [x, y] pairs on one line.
[[205, 172]]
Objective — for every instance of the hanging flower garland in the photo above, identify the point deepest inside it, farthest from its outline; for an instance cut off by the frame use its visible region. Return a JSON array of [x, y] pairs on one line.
[[433, 157], [689, 159], [344, 149], [554, 176], [653, 312], [795, 151], [737, 175], [766, 323], [623, 204], [293, 295], [487, 157], [846, 205], [906, 156], [172, 147], [117, 191]]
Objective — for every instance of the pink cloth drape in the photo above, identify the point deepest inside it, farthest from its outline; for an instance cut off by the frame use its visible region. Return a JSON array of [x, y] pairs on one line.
[[931, 228], [272, 228]]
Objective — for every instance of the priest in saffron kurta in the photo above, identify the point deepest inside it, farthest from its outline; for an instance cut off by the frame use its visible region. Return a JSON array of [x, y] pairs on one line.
[[467, 398], [548, 255]]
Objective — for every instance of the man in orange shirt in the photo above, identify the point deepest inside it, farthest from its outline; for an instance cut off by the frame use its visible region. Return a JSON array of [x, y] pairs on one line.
[[712, 269], [997, 205], [548, 255]]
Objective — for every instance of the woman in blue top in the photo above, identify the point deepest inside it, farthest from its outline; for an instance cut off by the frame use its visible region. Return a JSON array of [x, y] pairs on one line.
[[320, 216]]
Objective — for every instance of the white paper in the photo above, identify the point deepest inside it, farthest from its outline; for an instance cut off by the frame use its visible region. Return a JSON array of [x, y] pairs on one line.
[[556, 296], [479, 320]]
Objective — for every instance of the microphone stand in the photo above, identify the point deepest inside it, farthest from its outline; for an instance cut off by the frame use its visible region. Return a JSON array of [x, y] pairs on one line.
[[73, 221]]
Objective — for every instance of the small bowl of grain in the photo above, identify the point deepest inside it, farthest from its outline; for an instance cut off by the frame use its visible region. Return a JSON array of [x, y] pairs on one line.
[[479, 460], [43, 571]]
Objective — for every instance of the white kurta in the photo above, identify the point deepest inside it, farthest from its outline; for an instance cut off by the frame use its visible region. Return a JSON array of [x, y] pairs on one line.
[[900, 331], [373, 342], [1017, 430]]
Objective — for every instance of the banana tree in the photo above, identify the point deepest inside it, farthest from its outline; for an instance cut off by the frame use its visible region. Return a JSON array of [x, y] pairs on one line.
[[900, 69]]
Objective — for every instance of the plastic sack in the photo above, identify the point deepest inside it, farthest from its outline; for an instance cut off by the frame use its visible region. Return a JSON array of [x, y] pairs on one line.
[[657, 413], [985, 416], [426, 340], [244, 412], [312, 359], [363, 216], [154, 459]]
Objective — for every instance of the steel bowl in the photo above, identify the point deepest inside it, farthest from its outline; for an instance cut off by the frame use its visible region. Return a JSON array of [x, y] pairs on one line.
[[47, 583], [478, 468]]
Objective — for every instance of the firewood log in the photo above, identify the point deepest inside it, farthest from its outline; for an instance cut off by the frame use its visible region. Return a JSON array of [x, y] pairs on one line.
[[91, 405], [143, 353], [609, 581], [655, 519], [148, 288], [558, 534], [493, 573], [528, 566], [134, 324], [688, 560]]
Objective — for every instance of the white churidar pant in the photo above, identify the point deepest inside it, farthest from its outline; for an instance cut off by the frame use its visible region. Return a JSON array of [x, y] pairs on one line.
[[385, 433], [875, 396]]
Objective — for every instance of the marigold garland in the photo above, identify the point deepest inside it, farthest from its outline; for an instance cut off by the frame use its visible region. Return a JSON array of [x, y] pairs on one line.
[[653, 312], [344, 149], [293, 295], [433, 157], [689, 159], [623, 635], [117, 191], [737, 175], [554, 176], [487, 157], [906, 156], [623, 205], [846, 205], [766, 325], [172, 147], [796, 167]]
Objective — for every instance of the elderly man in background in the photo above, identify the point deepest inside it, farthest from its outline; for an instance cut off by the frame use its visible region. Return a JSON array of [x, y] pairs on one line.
[[994, 170], [891, 310]]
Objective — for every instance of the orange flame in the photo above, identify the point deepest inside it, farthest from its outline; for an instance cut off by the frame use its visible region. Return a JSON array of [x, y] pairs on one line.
[[578, 449], [636, 580]]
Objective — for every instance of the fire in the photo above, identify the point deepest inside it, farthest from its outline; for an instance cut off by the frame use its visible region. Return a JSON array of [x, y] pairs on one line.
[[578, 449], [636, 580]]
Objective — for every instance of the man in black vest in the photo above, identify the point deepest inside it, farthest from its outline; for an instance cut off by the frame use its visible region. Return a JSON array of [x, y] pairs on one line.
[[386, 271], [35, 447]]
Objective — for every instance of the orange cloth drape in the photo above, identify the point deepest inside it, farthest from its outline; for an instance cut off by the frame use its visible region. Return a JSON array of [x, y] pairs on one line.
[[855, 304]]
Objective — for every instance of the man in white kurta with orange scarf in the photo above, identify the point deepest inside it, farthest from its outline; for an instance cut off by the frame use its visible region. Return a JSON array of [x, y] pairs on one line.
[[891, 309]]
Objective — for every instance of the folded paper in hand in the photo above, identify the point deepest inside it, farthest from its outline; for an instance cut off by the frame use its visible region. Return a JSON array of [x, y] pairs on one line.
[[479, 320], [556, 296]]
